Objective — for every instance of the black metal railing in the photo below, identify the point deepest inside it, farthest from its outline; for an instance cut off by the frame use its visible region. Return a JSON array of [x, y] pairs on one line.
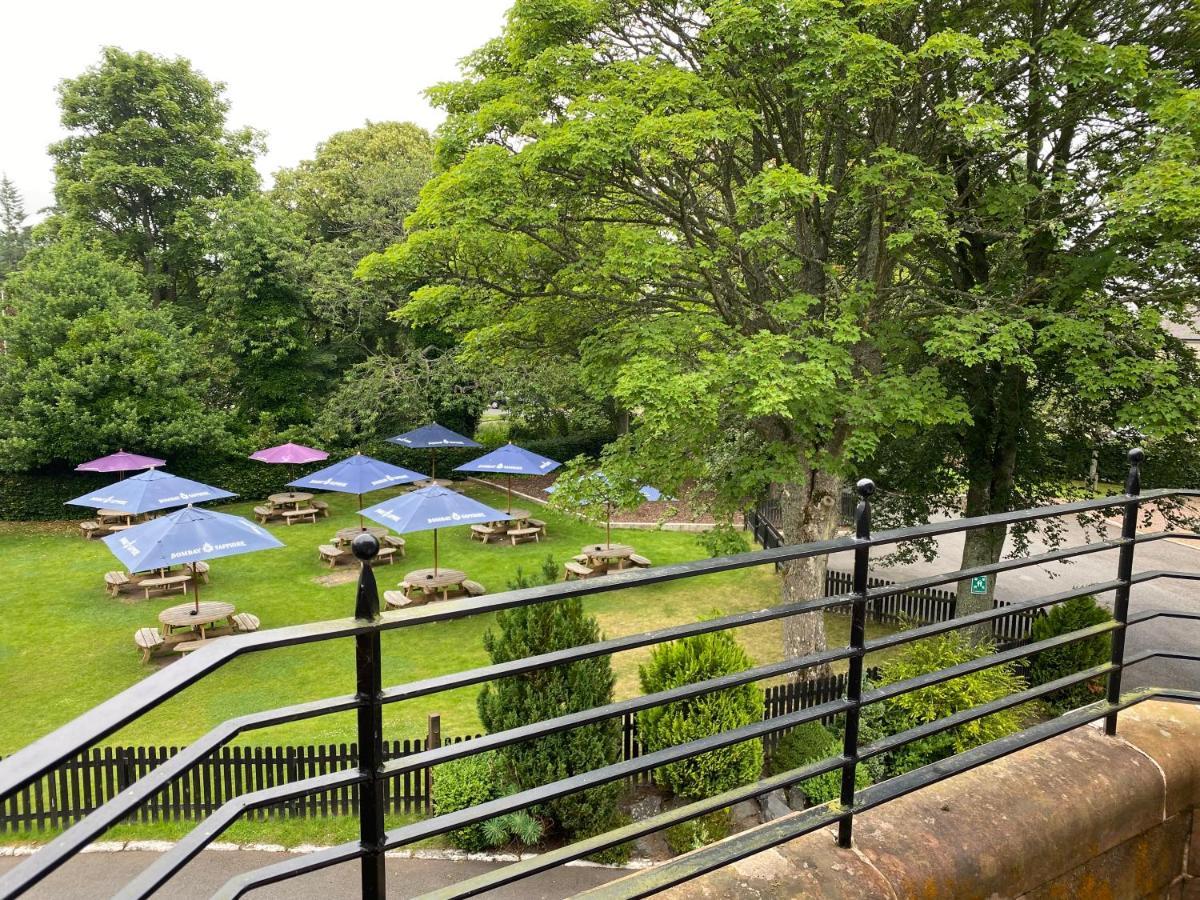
[[35, 761]]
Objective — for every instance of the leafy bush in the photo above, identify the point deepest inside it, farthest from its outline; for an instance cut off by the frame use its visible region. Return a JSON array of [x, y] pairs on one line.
[[941, 700], [810, 743], [1073, 615], [518, 826], [684, 662], [722, 540], [696, 833], [547, 573], [549, 692], [466, 782]]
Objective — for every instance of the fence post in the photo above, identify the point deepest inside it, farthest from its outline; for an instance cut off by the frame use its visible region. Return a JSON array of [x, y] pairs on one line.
[[370, 724], [1133, 487], [858, 636], [433, 740]]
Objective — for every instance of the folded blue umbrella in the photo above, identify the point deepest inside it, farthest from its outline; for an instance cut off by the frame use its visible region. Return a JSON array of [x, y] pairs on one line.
[[431, 437], [510, 460], [429, 509], [187, 536], [148, 491]]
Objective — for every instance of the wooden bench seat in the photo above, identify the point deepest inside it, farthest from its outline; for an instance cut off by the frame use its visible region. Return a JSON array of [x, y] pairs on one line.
[[576, 570], [166, 585], [385, 556], [331, 554], [640, 561], [93, 530], [473, 588], [147, 640], [322, 507], [517, 535], [245, 622], [538, 524], [190, 646], [297, 515], [396, 542], [397, 599], [265, 514], [485, 533], [115, 582]]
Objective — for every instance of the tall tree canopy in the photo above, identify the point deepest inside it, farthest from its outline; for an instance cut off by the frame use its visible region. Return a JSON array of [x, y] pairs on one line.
[[784, 232], [89, 365], [147, 139], [14, 233]]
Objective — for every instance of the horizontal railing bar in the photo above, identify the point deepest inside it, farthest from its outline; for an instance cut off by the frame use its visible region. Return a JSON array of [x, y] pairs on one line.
[[1146, 615], [927, 679], [449, 681], [916, 634], [26, 765], [211, 827], [782, 830], [1144, 655], [36, 867], [1004, 565], [1142, 577], [289, 868], [499, 739], [927, 729], [550, 859], [614, 772]]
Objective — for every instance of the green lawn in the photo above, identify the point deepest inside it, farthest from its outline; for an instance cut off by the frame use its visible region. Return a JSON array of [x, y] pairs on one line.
[[66, 646]]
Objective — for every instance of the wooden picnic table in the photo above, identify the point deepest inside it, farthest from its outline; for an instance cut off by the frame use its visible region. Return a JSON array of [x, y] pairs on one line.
[[428, 582], [346, 535], [183, 617], [290, 498], [602, 554], [109, 516], [517, 521]]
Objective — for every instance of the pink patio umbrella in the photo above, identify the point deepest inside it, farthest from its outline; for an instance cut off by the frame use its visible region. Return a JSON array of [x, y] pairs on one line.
[[121, 462], [291, 455]]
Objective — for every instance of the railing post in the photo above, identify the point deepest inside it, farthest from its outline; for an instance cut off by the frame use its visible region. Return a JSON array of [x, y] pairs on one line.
[[1133, 487], [370, 724], [858, 637]]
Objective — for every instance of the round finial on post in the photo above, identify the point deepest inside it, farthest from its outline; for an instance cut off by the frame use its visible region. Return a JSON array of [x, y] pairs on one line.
[[366, 603], [865, 487], [365, 546], [1133, 481], [862, 513]]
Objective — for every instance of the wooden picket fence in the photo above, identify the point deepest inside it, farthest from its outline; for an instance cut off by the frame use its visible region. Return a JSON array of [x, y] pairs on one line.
[[85, 782]]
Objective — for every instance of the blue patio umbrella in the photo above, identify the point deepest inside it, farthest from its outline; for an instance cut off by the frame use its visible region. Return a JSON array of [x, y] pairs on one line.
[[187, 536], [149, 491], [432, 437], [510, 460], [431, 508], [650, 493], [359, 475]]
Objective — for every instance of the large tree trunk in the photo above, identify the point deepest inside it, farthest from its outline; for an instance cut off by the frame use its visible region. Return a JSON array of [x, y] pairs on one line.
[[991, 458], [808, 512]]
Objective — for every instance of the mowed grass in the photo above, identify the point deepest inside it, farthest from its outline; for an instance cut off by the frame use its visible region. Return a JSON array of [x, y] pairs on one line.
[[66, 646]]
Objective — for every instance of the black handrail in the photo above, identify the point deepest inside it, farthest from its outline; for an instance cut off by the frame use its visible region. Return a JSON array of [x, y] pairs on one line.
[[45, 754]]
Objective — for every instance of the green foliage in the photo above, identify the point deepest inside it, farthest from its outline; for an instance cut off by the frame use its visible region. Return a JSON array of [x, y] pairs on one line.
[[1058, 662], [15, 236], [545, 693], [467, 782], [146, 140], [810, 743], [547, 573], [683, 662], [91, 365], [940, 700], [696, 833], [722, 540]]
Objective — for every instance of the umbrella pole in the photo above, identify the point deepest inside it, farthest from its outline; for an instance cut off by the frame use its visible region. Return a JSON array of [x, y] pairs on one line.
[[608, 523], [361, 527], [433, 465], [195, 592], [509, 495], [435, 553]]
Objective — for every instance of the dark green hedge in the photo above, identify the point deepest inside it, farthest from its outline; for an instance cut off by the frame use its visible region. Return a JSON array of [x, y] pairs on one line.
[[41, 495]]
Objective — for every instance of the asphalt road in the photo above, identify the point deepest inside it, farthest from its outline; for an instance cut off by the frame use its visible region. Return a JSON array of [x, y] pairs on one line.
[[1030, 583], [103, 874]]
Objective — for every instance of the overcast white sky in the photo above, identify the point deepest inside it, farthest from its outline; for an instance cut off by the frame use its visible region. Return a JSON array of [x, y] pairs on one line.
[[299, 71]]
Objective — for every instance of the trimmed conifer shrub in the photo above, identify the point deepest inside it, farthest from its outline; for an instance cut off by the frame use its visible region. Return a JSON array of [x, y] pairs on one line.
[[1049, 665]]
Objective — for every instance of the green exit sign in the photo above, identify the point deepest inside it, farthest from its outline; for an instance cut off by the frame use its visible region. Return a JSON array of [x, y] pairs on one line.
[[979, 584]]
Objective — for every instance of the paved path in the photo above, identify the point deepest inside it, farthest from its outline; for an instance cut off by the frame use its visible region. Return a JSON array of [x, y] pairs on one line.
[[1028, 584], [103, 874]]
